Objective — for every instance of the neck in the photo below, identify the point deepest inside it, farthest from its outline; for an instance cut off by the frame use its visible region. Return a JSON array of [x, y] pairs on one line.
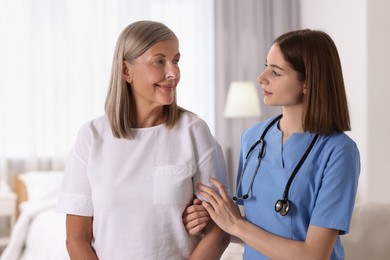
[[150, 118], [291, 122]]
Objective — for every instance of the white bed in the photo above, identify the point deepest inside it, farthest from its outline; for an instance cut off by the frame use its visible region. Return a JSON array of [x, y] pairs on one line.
[[39, 232]]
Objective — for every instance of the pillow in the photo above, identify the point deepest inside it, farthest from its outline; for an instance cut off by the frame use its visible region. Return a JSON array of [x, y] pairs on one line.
[[41, 185]]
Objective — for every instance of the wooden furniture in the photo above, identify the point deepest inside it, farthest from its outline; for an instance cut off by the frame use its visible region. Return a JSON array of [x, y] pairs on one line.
[[21, 193]]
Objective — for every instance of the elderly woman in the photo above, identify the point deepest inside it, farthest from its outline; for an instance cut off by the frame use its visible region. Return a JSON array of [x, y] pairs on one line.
[[133, 171]]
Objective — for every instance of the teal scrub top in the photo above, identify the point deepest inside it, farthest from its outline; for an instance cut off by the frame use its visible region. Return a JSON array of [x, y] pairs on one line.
[[321, 194]]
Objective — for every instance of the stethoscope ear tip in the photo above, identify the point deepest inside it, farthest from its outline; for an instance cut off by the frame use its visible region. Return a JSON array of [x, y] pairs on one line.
[[244, 197]]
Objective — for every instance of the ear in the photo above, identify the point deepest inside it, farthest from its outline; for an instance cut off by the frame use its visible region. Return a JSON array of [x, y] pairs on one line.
[[304, 88], [126, 72]]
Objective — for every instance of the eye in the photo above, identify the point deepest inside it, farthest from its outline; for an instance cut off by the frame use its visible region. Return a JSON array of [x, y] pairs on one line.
[[275, 73], [159, 61], [176, 61]]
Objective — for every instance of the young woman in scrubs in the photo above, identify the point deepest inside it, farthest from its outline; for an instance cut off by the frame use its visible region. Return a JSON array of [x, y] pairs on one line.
[[133, 171], [303, 75]]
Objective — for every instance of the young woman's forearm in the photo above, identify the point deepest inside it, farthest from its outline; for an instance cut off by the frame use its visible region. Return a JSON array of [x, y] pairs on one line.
[[318, 245]]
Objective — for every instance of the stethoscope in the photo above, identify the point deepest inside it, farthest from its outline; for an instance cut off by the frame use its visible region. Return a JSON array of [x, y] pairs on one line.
[[283, 205]]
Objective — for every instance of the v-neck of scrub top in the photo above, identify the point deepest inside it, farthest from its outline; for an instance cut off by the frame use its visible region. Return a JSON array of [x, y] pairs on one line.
[[277, 163], [292, 150]]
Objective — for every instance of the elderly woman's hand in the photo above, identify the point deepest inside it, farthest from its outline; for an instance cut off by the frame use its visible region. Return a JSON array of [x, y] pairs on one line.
[[195, 218]]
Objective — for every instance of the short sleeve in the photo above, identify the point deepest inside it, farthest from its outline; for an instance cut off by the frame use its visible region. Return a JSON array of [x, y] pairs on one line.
[[213, 165], [211, 161], [75, 194], [336, 197]]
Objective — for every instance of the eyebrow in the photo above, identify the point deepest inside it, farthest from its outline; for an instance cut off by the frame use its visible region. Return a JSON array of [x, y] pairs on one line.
[[274, 65], [163, 55]]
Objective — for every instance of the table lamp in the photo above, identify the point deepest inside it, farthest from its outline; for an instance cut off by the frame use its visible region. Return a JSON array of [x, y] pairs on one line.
[[242, 100]]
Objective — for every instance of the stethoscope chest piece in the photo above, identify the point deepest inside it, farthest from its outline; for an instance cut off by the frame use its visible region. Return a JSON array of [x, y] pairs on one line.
[[282, 206]]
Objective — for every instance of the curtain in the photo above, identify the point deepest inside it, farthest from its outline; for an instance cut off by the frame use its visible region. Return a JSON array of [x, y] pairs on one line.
[[244, 31], [55, 63]]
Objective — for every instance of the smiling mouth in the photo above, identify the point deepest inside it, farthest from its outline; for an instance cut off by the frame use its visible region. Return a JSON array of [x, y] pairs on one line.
[[166, 88], [266, 93]]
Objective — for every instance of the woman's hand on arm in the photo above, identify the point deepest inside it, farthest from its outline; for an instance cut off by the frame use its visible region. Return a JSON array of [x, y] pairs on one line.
[[222, 209], [79, 237], [225, 213]]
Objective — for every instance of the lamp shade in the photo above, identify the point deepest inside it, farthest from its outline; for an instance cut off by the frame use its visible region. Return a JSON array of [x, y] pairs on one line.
[[242, 100]]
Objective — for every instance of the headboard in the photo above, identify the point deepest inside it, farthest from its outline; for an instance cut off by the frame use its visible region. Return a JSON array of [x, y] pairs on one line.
[[21, 192]]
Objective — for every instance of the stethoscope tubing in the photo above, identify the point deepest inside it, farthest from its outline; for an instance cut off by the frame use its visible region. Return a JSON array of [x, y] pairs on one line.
[[259, 158]]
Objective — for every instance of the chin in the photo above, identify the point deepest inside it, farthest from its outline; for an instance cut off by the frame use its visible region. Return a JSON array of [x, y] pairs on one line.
[[167, 102], [268, 103]]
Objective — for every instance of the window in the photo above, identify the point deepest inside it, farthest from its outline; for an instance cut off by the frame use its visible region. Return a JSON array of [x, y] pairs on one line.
[[55, 62]]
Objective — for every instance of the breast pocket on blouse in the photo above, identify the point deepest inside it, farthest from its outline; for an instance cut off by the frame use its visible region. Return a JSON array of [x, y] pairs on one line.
[[172, 185]]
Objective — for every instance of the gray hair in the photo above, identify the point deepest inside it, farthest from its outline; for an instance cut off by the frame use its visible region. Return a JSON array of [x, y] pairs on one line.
[[133, 41]]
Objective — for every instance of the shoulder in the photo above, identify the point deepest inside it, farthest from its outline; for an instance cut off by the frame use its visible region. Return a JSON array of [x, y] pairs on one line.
[[193, 122], [195, 127], [99, 123], [338, 149], [255, 130], [339, 140], [96, 126]]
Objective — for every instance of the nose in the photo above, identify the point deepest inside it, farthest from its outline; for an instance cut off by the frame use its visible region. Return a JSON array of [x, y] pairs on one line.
[[262, 79], [172, 71]]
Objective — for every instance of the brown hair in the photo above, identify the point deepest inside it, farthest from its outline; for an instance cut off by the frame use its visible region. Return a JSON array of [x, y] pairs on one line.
[[313, 54], [133, 41]]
